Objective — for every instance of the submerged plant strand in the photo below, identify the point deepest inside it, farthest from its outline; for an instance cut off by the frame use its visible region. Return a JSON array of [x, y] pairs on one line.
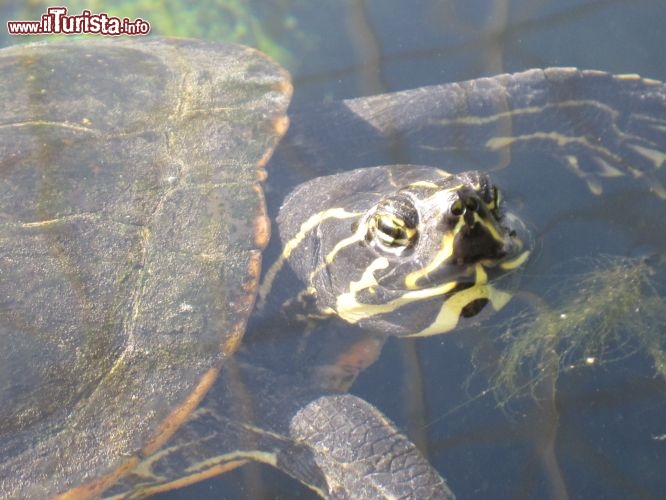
[[615, 310]]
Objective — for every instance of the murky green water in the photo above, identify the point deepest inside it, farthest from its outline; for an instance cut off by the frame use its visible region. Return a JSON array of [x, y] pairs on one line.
[[596, 431]]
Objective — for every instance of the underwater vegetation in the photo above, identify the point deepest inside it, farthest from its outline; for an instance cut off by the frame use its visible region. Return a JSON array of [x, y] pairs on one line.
[[601, 316]]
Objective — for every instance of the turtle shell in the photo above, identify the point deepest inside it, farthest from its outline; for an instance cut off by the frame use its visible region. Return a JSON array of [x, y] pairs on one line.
[[132, 222]]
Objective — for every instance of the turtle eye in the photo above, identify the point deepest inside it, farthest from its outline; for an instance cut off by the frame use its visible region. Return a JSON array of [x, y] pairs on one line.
[[393, 226], [390, 231]]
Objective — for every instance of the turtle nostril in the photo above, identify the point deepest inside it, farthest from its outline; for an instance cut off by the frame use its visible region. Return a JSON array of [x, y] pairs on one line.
[[457, 208], [472, 204]]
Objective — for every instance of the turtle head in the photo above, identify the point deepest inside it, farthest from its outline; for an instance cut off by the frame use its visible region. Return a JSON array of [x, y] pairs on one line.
[[403, 249]]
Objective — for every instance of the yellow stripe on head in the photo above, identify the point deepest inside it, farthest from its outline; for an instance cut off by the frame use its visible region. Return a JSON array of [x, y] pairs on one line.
[[509, 265], [452, 308], [293, 243], [445, 252], [351, 310]]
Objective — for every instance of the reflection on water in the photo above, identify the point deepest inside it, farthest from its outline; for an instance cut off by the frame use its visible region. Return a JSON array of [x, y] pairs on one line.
[[595, 430]]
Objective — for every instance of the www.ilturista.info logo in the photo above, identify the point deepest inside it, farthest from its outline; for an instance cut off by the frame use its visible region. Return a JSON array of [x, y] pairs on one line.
[[56, 21]]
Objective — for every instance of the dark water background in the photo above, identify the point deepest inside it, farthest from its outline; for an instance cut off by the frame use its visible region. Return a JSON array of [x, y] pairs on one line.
[[601, 432]]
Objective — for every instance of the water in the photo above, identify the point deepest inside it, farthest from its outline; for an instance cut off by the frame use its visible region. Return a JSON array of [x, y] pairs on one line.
[[600, 433]]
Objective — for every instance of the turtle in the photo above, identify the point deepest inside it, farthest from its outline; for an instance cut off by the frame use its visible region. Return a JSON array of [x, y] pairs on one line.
[[133, 216], [133, 228], [461, 123]]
